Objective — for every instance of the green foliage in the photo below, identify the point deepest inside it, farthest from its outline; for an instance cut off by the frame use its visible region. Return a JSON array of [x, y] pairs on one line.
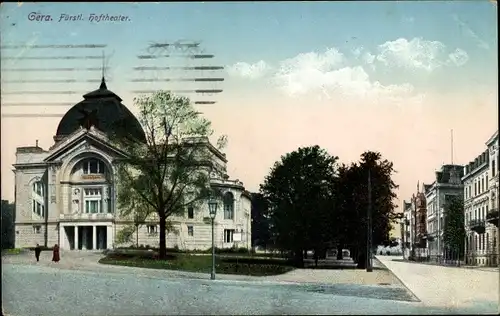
[[298, 192], [199, 263], [352, 201], [314, 204], [125, 235], [453, 229], [170, 169], [260, 221], [8, 230]]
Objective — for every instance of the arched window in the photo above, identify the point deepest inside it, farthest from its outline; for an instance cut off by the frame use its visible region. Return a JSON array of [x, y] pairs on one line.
[[228, 205], [38, 198], [93, 166]]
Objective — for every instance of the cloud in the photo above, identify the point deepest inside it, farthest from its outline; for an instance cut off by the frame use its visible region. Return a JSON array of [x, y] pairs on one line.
[[331, 72], [470, 33], [458, 58], [249, 71], [416, 53], [326, 73]]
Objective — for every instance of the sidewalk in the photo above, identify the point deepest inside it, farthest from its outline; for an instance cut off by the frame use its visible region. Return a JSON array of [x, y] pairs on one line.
[[446, 286]]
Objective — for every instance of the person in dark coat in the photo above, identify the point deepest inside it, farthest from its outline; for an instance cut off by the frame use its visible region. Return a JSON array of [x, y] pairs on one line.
[[38, 250], [55, 254]]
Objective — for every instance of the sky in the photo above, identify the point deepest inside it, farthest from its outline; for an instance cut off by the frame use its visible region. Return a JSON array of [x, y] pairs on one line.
[[393, 77]]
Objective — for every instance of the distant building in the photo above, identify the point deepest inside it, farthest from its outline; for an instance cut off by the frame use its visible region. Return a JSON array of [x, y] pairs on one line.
[[414, 228], [407, 228], [481, 206], [419, 218], [447, 184]]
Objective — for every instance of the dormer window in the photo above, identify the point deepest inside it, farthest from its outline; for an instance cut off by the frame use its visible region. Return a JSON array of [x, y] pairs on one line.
[[93, 166]]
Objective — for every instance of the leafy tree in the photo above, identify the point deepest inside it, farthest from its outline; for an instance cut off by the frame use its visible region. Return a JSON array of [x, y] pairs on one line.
[[170, 169], [453, 229], [352, 203], [297, 189], [261, 235], [8, 230]]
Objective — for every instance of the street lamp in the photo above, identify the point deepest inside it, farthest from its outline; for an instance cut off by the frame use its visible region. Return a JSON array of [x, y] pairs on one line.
[[212, 208]]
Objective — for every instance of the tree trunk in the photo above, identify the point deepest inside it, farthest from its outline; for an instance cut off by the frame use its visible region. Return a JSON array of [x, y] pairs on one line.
[[340, 256], [362, 260], [163, 240], [299, 258]]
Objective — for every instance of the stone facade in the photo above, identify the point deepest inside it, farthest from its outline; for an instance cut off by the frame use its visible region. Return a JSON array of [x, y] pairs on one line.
[[67, 195], [480, 204], [447, 185]]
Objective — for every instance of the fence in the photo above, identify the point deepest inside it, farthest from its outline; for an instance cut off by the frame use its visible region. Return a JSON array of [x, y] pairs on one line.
[[446, 258], [479, 259]]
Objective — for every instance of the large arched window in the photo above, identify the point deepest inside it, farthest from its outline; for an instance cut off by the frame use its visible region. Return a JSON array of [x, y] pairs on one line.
[[93, 166], [38, 198], [228, 205]]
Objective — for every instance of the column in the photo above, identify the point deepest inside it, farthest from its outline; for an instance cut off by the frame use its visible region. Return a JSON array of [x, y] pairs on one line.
[[84, 237], [94, 237], [109, 237], [75, 240]]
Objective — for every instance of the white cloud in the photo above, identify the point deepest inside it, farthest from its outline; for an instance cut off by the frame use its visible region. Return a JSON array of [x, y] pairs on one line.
[[368, 58], [416, 53], [249, 71], [331, 72], [458, 58], [325, 73]]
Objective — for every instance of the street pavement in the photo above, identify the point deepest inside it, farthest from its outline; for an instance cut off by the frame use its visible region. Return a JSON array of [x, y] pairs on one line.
[[78, 285], [453, 287]]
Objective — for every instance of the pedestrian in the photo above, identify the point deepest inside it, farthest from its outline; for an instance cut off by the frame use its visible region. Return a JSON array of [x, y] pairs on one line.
[[38, 250], [55, 254]]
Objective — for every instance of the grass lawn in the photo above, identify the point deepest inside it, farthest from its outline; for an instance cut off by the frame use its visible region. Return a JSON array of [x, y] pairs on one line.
[[13, 251], [203, 264]]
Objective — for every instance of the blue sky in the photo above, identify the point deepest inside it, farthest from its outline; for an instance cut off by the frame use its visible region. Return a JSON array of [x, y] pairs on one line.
[[286, 55]]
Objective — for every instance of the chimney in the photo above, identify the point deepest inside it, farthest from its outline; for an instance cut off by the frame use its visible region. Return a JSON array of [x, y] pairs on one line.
[[36, 143]]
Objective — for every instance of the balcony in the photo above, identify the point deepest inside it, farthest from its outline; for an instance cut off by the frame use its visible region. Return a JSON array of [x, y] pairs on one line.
[[86, 217], [492, 217], [477, 225]]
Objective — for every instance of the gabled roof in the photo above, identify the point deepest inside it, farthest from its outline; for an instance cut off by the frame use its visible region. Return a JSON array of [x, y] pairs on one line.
[[75, 139]]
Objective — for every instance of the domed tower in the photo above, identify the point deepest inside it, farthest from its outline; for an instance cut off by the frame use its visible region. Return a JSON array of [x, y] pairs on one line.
[[102, 109]]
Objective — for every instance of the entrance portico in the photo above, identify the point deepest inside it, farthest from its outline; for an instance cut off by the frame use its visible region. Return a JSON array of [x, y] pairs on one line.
[[86, 236]]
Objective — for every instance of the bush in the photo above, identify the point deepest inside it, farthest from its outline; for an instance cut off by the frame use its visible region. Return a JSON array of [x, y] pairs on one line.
[[252, 269], [229, 250], [126, 254], [257, 261]]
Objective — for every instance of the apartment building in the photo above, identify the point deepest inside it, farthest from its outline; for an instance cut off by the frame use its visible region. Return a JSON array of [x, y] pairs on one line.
[[438, 194], [481, 206]]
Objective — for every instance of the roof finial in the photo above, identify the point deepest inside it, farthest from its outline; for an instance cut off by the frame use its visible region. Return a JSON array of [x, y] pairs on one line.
[[103, 81], [36, 143]]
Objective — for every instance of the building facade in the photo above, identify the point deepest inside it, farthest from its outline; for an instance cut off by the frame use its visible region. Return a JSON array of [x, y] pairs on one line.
[[407, 228], [67, 195], [446, 186], [492, 215], [481, 206]]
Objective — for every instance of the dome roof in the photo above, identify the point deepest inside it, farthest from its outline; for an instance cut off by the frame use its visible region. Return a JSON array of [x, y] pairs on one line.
[[102, 109]]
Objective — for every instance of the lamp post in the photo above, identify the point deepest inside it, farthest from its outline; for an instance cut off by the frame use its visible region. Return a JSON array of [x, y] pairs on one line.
[[212, 208], [369, 226]]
